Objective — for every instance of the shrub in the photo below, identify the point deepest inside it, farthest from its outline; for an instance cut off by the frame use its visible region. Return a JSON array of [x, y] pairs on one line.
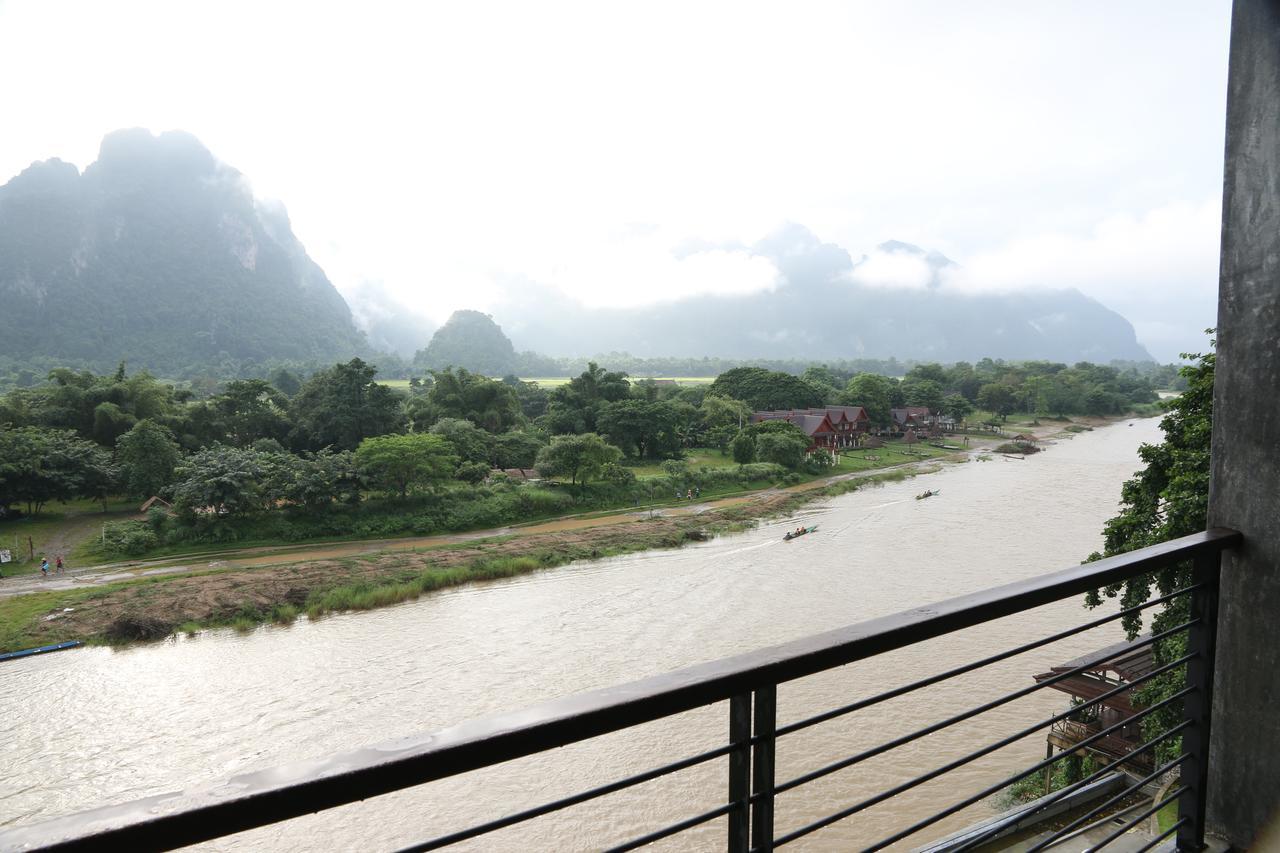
[[128, 538]]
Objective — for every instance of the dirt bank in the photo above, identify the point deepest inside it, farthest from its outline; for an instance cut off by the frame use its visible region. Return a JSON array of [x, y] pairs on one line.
[[154, 607]]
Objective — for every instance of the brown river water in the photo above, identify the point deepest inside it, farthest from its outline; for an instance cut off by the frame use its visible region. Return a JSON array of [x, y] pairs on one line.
[[94, 726]]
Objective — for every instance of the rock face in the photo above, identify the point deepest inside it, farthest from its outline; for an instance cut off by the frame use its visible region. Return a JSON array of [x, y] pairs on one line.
[[821, 308], [159, 255]]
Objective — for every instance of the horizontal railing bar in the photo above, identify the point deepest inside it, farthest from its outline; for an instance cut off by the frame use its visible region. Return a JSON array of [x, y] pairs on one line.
[[1030, 771], [575, 799], [963, 760], [1125, 759], [1061, 834], [962, 716], [1153, 843], [255, 799], [1146, 813], [970, 667], [674, 828], [1111, 817]]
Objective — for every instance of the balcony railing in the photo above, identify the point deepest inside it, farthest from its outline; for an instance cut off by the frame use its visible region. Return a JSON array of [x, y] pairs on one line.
[[749, 683]]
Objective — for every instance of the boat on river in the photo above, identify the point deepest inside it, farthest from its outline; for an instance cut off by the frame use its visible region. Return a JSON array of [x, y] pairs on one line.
[[795, 534], [928, 494]]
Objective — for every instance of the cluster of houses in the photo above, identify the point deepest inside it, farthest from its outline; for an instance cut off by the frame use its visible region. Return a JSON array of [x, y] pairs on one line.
[[834, 428]]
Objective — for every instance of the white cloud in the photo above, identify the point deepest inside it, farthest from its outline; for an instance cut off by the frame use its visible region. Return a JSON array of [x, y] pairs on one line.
[[893, 270], [1158, 268]]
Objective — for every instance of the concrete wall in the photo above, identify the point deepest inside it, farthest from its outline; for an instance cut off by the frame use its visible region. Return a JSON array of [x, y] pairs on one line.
[[1244, 775]]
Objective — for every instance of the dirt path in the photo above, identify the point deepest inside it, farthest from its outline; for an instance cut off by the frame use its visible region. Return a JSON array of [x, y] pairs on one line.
[[79, 578]]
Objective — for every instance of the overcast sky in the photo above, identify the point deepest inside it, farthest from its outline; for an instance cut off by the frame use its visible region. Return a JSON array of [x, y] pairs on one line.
[[437, 150]]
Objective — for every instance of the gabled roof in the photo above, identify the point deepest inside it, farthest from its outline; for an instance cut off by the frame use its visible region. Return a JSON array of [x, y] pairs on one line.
[[1127, 662], [811, 421], [813, 424], [840, 414]]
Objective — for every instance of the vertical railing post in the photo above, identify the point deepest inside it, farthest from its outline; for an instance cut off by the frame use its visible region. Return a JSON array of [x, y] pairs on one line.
[[1197, 706], [762, 778], [740, 773]]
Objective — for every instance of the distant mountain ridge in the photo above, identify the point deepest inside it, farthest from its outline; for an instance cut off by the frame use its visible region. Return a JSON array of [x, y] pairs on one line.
[[159, 255], [820, 310]]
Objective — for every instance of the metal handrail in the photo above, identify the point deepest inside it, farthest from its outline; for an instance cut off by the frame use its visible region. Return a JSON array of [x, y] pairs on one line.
[[257, 799]]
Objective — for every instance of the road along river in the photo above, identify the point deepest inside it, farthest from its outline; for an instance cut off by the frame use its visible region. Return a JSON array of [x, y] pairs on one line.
[[95, 726]]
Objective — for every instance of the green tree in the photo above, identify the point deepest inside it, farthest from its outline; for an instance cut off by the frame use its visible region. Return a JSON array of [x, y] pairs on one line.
[[224, 480], [1167, 499], [148, 456], [722, 418], [469, 442], [579, 457], [873, 393], [317, 480], [956, 407], [515, 449], [342, 406], [574, 407], [487, 403], [646, 428], [744, 448], [785, 447], [400, 463], [40, 465], [763, 389], [922, 392], [998, 398], [250, 409]]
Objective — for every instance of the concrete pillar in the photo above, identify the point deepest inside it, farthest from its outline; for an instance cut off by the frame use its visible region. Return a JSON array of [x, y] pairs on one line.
[[1244, 774]]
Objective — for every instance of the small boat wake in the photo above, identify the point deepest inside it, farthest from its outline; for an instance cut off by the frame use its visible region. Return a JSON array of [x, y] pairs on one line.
[[797, 533]]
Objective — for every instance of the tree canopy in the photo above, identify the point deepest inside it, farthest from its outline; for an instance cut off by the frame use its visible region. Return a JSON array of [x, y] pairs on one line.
[[579, 457], [763, 389], [403, 463], [342, 406]]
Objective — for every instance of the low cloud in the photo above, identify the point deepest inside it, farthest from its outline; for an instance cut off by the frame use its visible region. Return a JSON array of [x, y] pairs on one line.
[[1158, 268]]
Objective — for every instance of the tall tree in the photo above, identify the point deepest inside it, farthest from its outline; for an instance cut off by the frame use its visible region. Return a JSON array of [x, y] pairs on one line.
[[148, 456], [401, 463], [767, 389], [579, 457], [342, 406], [487, 403], [1167, 499], [998, 398], [873, 393]]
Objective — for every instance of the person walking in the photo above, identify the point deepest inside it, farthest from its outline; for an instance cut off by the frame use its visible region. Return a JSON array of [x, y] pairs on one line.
[[58, 563], [44, 566]]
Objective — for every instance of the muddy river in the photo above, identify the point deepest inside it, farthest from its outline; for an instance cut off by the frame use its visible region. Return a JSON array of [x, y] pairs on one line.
[[95, 726]]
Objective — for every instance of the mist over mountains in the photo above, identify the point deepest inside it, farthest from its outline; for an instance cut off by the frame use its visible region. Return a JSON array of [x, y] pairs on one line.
[[824, 307], [158, 254]]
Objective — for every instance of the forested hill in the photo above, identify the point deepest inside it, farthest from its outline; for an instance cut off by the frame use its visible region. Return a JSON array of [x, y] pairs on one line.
[[158, 255]]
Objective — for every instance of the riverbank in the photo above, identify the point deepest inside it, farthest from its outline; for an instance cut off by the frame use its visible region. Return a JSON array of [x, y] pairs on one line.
[[279, 585], [156, 606]]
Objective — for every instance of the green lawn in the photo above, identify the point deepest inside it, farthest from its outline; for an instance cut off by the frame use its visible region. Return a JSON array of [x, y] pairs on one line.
[[698, 457]]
